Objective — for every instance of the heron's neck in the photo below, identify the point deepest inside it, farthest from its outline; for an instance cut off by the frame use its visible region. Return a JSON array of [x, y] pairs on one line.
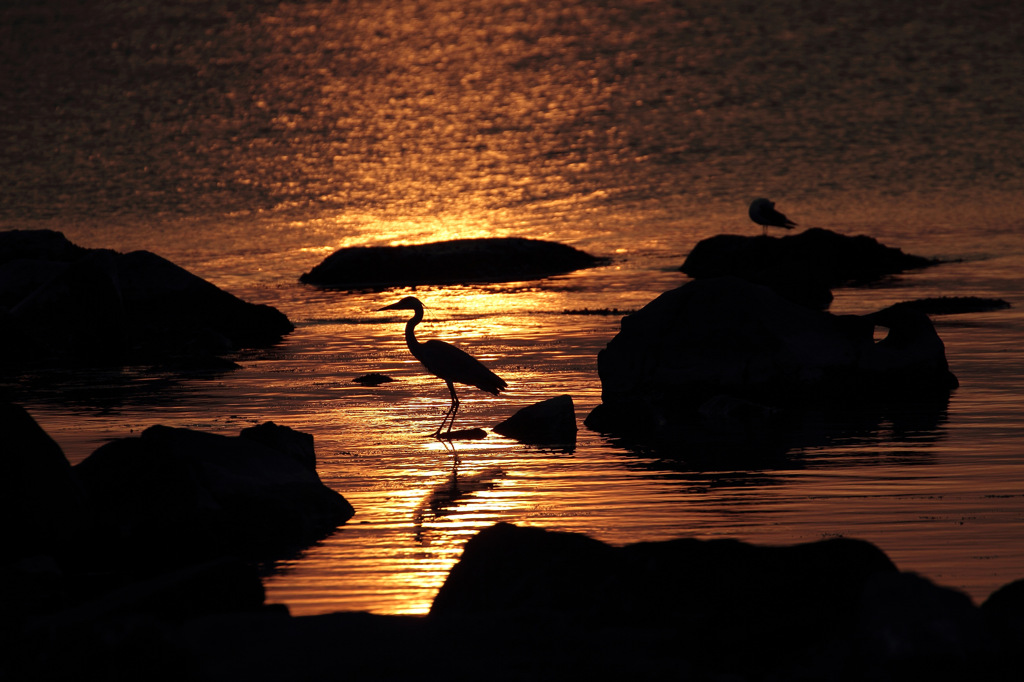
[[410, 330]]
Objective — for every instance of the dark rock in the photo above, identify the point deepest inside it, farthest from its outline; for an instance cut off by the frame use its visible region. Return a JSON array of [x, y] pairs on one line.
[[802, 267], [1004, 616], [19, 278], [38, 245], [372, 379], [726, 336], [911, 628], [555, 606], [78, 314], [549, 422], [173, 494], [65, 305], [168, 302], [451, 262], [41, 503], [732, 605]]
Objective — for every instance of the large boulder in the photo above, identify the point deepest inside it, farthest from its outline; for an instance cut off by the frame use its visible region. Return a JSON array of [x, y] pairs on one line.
[[63, 304], [503, 259], [820, 609], [174, 493], [100, 557], [803, 267], [726, 336]]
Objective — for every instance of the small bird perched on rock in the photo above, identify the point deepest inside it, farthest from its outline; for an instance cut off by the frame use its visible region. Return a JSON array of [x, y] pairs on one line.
[[762, 212]]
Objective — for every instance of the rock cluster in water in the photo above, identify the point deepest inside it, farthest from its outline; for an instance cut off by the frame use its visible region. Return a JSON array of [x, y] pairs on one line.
[[62, 304], [505, 259], [731, 362]]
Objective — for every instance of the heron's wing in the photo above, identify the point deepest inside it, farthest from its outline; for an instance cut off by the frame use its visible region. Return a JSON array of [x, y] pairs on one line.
[[454, 364]]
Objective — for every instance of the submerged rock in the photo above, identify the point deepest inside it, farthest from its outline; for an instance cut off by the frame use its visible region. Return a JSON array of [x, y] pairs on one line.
[[503, 259], [62, 304], [803, 267], [549, 422], [726, 336], [372, 379]]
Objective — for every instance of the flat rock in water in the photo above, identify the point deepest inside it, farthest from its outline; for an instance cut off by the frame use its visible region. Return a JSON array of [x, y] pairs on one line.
[[505, 259]]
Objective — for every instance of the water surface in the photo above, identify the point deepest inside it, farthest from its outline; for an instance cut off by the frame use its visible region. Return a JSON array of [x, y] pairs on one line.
[[246, 141]]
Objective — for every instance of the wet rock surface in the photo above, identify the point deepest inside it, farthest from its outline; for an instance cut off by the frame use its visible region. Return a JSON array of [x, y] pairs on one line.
[[506, 259]]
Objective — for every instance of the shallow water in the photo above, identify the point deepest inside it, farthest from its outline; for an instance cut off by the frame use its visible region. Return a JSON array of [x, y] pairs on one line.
[[246, 143]]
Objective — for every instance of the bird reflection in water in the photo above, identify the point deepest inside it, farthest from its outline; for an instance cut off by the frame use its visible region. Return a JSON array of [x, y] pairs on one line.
[[445, 498], [449, 363]]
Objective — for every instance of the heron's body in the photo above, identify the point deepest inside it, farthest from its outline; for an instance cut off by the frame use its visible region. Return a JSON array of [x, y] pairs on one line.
[[446, 361], [762, 212]]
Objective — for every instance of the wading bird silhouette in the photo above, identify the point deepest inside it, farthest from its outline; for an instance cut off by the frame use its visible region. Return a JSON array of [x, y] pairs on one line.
[[762, 212], [447, 362]]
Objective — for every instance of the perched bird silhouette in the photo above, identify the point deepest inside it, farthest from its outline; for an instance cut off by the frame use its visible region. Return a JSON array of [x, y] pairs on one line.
[[447, 362], [762, 212]]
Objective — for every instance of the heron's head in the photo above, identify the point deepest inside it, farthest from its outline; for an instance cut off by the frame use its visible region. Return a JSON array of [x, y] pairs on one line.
[[407, 303]]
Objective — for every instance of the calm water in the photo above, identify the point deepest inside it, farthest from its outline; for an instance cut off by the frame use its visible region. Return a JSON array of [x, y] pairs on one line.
[[246, 141]]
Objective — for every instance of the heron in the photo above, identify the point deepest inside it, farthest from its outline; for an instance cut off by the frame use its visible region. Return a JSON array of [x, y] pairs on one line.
[[446, 362], [762, 212]]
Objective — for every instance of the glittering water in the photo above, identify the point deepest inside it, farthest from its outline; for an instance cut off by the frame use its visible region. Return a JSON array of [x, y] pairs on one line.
[[246, 141]]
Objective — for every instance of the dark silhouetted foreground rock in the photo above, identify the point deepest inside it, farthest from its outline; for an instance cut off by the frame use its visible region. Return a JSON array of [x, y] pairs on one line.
[[176, 493], [531, 604], [823, 608], [503, 259], [802, 267], [728, 337], [41, 501], [60, 303], [549, 422], [138, 508]]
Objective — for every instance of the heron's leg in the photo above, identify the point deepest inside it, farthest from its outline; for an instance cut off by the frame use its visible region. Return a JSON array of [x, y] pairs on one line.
[[437, 434], [447, 413], [455, 406], [450, 413]]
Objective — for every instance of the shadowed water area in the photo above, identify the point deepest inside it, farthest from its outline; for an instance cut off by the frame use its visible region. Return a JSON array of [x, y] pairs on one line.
[[246, 141]]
